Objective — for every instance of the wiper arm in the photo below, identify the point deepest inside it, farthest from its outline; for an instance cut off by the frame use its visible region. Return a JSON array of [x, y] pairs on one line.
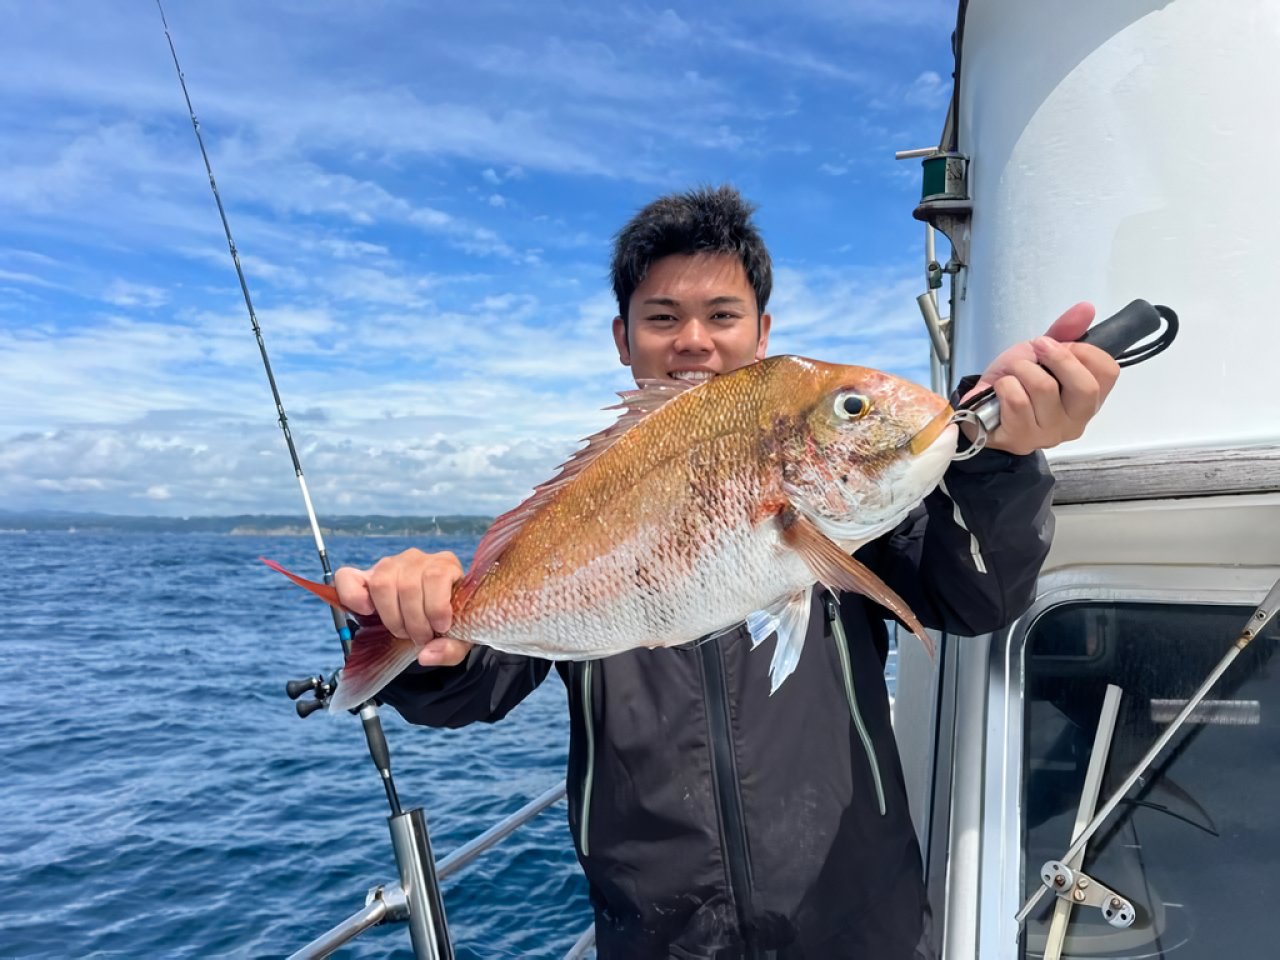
[[1256, 623]]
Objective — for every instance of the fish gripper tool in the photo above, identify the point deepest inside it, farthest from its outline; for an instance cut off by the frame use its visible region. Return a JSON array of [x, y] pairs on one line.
[[1126, 335]]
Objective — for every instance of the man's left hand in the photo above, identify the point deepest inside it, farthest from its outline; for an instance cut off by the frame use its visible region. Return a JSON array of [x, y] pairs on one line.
[[1038, 411]]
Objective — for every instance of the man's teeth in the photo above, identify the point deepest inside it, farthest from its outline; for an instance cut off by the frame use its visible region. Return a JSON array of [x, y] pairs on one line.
[[697, 375]]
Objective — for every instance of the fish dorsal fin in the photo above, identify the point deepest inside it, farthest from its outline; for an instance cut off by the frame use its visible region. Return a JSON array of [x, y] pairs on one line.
[[637, 404]]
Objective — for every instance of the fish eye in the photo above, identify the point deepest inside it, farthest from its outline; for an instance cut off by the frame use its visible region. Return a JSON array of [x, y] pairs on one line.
[[852, 406]]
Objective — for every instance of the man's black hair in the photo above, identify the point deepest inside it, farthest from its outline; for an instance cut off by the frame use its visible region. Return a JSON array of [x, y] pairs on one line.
[[705, 220]]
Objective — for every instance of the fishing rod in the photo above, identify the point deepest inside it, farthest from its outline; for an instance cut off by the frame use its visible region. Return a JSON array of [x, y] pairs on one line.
[[418, 900]]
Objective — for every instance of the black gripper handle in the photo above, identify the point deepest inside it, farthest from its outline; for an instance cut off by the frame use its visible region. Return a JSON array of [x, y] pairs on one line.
[[1122, 330]]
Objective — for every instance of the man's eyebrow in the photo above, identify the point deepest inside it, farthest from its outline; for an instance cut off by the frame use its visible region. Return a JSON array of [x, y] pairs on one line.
[[673, 302]]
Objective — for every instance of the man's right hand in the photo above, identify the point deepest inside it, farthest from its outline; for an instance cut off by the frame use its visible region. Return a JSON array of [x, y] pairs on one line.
[[411, 594]]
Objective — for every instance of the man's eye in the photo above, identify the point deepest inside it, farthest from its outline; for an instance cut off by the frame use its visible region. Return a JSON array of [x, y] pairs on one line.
[[661, 319], [725, 317]]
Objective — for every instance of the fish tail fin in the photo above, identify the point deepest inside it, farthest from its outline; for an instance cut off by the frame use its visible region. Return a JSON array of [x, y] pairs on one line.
[[322, 590], [376, 656]]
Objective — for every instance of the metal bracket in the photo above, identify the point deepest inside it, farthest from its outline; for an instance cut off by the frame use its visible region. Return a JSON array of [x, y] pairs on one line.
[[945, 205], [392, 896], [1082, 890]]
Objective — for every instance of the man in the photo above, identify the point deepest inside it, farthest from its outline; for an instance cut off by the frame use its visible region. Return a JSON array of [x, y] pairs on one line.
[[713, 820]]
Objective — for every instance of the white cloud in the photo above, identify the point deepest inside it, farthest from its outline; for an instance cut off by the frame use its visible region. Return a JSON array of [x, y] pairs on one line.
[[424, 228], [29, 279], [123, 293], [928, 90]]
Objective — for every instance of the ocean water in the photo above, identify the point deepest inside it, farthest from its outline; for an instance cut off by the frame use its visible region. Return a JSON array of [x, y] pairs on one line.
[[160, 798]]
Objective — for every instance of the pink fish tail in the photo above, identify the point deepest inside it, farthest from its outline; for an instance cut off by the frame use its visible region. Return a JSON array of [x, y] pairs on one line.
[[377, 656]]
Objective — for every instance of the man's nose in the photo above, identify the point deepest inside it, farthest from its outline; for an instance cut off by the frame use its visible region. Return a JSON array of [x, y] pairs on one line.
[[693, 338]]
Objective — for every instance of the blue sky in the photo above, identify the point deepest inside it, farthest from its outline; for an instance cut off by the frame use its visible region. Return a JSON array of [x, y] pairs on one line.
[[423, 197]]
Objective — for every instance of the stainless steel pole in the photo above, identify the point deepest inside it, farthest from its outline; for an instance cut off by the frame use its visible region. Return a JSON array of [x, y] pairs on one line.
[[427, 926]]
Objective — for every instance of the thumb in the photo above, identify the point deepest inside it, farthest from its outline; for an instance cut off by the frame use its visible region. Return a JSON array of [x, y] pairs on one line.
[[1072, 324]]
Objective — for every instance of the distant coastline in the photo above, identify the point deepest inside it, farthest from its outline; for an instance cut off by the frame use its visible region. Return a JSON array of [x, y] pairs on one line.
[[274, 525]]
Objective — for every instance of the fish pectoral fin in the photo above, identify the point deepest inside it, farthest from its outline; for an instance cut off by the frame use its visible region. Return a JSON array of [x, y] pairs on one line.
[[788, 617], [836, 570]]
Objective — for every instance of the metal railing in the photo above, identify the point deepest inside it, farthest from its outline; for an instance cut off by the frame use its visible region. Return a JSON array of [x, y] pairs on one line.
[[388, 902]]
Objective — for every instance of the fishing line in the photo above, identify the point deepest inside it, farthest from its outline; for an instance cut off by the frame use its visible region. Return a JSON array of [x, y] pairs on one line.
[[344, 633], [368, 713]]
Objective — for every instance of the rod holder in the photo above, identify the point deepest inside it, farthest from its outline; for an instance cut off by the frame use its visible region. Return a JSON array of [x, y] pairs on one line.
[[428, 929]]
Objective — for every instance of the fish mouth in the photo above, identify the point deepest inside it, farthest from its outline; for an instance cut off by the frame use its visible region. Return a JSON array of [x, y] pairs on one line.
[[931, 431]]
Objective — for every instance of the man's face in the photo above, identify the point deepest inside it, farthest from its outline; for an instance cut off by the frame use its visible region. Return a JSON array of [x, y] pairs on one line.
[[692, 317]]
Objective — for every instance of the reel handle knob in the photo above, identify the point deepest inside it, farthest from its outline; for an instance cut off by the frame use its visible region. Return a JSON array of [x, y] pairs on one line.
[[306, 708], [296, 688]]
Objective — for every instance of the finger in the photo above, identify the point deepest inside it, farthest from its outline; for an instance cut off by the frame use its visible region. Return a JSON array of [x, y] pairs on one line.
[[410, 592], [1079, 390], [443, 652], [978, 387], [1072, 324], [437, 606], [1017, 417], [1045, 395], [353, 590], [1099, 363], [385, 593]]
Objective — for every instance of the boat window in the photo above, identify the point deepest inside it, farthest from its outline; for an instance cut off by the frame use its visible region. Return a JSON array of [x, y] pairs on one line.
[[1194, 846]]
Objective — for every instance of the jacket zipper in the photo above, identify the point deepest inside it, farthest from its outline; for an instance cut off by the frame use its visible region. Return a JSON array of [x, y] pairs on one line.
[[728, 797], [584, 821], [842, 648]]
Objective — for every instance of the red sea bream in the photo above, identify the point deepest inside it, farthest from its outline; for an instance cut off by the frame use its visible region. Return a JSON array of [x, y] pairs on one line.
[[701, 507]]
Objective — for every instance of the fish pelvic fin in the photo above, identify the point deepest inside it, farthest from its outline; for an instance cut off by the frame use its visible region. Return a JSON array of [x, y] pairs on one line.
[[788, 617], [636, 404], [376, 657], [836, 570]]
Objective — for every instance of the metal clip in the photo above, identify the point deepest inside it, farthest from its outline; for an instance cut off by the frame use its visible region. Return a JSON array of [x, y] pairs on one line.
[[965, 415], [1081, 890]]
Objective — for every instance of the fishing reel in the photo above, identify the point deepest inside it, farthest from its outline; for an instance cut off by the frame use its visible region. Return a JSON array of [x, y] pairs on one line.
[[322, 688]]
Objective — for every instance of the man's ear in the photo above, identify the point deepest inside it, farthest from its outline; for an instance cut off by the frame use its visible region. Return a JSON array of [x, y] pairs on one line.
[[762, 345], [620, 340]]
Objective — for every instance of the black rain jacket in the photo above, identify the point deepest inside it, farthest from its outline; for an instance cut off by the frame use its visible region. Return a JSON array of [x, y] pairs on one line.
[[713, 820]]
